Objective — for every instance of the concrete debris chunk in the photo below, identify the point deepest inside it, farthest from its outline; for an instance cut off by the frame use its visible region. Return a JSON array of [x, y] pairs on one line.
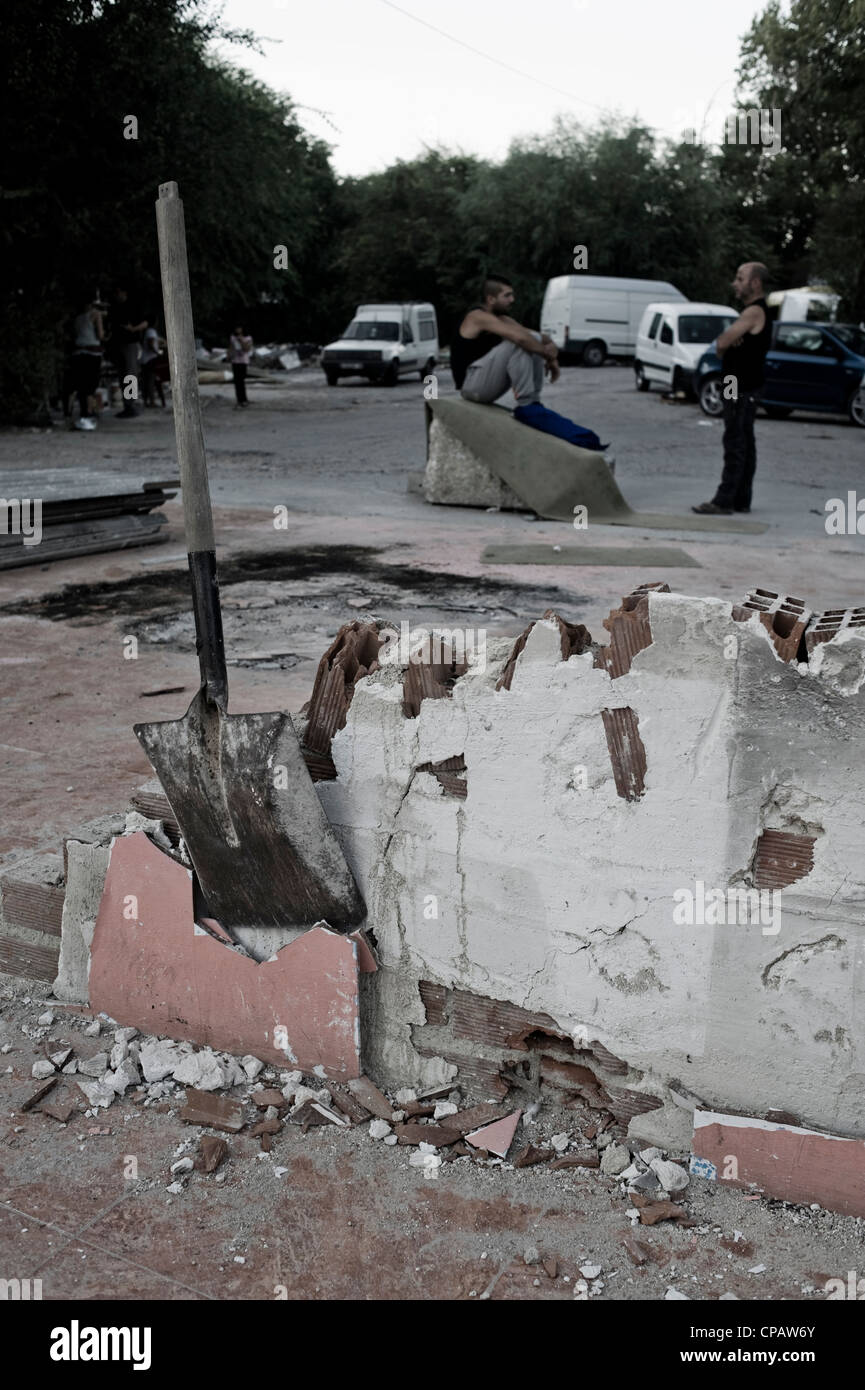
[[212, 1112], [615, 1160], [203, 1070], [175, 1188], [647, 1155], [211, 1152], [560, 1142], [100, 1092], [125, 1035], [45, 1020], [119, 1053], [671, 1176], [590, 1271], [531, 1255], [71, 1068], [673, 1294], [94, 1066], [61, 1058], [124, 1076], [444, 1107], [234, 1072], [42, 1069], [93, 1029], [252, 1066], [159, 1058], [183, 1165], [405, 1095], [429, 1162], [645, 1182], [371, 1098], [302, 1096], [379, 1129]]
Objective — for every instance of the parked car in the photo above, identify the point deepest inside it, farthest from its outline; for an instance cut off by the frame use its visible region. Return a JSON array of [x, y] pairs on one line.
[[596, 316], [671, 339], [810, 366], [384, 342]]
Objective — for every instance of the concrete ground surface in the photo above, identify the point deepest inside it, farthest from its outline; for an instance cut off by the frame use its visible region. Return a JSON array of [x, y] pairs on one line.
[[349, 1219], [357, 541]]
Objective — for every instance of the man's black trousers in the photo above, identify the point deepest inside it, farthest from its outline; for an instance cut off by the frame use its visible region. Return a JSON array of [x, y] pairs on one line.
[[740, 453]]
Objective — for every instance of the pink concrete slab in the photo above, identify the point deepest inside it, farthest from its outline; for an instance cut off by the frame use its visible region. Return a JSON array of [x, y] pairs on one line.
[[497, 1137], [366, 961], [152, 968], [796, 1165]]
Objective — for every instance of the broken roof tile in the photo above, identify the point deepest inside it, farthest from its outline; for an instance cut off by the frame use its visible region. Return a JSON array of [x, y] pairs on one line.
[[370, 1097], [497, 1137], [212, 1111], [782, 858]]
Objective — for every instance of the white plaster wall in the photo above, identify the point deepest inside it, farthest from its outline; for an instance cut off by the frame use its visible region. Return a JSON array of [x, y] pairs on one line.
[[560, 899]]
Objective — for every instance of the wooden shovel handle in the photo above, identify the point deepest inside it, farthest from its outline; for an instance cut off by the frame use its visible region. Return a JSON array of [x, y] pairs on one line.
[[197, 514]]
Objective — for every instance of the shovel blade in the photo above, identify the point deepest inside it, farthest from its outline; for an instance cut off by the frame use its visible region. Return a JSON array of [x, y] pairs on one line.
[[261, 845]]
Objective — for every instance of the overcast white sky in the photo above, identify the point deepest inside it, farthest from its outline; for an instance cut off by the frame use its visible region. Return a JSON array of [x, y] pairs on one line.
[[388, 86]]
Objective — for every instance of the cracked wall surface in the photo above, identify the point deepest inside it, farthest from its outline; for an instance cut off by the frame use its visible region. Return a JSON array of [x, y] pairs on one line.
[[548, 878]]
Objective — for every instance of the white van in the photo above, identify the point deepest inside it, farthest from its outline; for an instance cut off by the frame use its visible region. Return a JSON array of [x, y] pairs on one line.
[[384, 342], [672, 338], [597, 316]]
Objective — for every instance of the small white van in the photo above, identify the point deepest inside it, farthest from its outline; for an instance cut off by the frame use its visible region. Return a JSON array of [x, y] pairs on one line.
[[384, 342], [672, 338], [597, 316]]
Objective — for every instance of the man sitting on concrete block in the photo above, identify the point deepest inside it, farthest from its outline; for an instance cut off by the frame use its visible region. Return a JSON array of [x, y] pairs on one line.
[[492, 352]]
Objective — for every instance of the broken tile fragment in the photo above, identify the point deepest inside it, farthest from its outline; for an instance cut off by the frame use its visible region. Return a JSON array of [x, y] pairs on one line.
[[652, 1212], [265, 1127], [551, 1267], [436, 1135], [350, 1107], [531, 1155], [212, 1112], [94, 1066], [38, 1094], [638, 1251], [211, 1152], [464, 1120], [497, 1137], [312, 1112], [576, 1160], [370, 1097], [269, 1096], [60, 1110]]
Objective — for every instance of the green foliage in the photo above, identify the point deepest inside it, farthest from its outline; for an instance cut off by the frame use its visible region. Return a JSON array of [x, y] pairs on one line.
[[78, 195]]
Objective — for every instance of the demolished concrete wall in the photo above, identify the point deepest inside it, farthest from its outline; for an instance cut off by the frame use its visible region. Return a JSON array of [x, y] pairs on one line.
[[603, 793]]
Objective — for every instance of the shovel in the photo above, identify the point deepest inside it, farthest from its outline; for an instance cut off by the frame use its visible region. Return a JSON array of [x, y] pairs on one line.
[[262, 848]]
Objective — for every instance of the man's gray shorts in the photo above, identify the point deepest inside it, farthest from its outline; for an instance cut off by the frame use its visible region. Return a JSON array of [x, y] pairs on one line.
[[503, 367]]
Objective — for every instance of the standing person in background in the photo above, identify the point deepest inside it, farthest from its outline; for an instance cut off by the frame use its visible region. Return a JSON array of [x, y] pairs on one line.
[[150, 352], [742, 349], [87, 360], [239, 349], [127, 326]]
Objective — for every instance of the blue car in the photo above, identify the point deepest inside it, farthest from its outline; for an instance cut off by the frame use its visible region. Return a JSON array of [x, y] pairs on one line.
[[810, 366]]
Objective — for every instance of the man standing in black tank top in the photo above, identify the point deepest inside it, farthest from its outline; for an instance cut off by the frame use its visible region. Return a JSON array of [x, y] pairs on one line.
[[742, 349]]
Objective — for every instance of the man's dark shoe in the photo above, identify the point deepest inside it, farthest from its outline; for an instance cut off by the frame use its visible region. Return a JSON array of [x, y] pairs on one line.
[[710, 509]]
